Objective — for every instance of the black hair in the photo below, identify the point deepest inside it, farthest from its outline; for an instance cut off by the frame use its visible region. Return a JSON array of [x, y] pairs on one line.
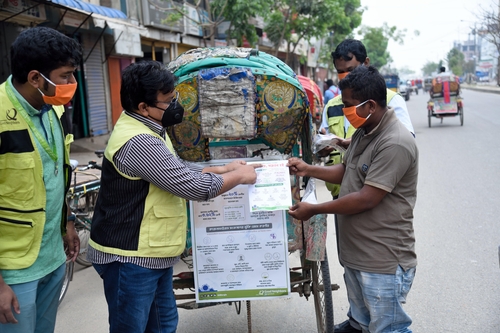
[[442, 69], [42, 49], [366, 83], [352, 46], [142, 81], [329, 83]]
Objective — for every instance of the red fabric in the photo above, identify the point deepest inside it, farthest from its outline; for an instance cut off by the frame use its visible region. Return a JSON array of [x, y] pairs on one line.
[[312, 91], [335, 93], [446, 91]]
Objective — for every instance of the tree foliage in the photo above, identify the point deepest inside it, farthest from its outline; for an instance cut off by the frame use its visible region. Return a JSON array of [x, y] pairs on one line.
[[456, 61], [236, 12], [470, 67], [293, 21], [376, 41], [340, 28], [430, 68], [406, 71], [490, 29]]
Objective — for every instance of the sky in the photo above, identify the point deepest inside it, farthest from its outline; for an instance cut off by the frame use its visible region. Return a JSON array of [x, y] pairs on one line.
[[440, 23]]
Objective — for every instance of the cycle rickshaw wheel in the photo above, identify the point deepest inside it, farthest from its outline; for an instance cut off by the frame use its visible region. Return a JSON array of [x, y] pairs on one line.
[[322, 293]]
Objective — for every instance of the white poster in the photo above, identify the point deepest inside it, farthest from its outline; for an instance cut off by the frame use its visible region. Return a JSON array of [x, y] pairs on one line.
[[238, 254], [272, 190]]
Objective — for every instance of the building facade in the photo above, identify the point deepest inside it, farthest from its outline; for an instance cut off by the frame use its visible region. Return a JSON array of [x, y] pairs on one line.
[[113, 34]]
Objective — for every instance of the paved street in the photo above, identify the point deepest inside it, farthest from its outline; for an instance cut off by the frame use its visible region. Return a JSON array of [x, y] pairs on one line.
[[457, 286]]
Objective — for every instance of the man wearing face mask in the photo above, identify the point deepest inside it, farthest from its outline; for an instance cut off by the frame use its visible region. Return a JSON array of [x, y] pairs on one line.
[[348, 55], [378, 190], [34, 177], [139, 224]]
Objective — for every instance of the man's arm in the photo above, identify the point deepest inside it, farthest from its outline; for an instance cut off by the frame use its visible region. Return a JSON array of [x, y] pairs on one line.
[[401, 111], [8, 300], [354, 203], [331, 174], [147, 157]]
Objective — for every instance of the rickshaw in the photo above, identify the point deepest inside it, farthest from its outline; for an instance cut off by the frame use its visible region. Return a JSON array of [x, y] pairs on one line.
[[427, 84], [315, 97], [243, 103], [392, 82], [445, 100]]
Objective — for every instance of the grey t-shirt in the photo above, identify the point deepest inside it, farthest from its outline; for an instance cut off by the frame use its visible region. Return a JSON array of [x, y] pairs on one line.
[[380, 239]]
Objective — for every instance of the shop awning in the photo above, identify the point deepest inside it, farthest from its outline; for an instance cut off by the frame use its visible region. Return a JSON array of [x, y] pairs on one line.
[[126, 33], [90, 8]]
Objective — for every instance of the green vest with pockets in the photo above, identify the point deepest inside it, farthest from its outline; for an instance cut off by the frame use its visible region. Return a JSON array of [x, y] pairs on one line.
[[163, 227], [22, 189], [336, 126]]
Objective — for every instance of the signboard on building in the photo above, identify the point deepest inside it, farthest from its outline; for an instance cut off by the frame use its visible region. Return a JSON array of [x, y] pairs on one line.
[[29, 9], [313, 53], [156, 13], [193, 19], [74, 19]]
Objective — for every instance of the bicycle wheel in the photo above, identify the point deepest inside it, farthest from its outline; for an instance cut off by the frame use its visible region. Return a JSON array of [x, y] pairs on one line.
[[84, 235], [68, 276], [322, 293], [84, 213]]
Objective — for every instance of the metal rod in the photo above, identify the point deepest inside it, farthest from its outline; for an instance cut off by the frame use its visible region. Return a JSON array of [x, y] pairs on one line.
[[83, 22], [112, 47], [97, 41], [60, 20]]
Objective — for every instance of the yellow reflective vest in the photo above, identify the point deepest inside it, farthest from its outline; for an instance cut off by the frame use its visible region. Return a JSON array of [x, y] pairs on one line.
[[336, 126], [163, 226], [22, 189]]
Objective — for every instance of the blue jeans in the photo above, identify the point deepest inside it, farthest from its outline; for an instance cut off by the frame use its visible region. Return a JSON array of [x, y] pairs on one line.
[[139, 299], [376, 299], [38, 302]]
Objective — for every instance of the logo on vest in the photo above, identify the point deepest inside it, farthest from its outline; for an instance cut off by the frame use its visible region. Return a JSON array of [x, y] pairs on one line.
[[364, 168], [10, 117], [11, 114]]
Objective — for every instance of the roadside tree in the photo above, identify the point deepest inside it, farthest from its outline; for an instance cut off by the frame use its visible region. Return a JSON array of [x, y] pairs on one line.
[[294, 21], [490, 30], [376, 41], [211, 13]]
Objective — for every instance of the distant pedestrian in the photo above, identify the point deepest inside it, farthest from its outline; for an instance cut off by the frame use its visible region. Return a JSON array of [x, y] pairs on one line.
[[332, 91]]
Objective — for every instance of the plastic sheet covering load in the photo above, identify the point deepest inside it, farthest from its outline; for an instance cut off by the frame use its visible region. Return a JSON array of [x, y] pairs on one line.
[[236, 93], [226, 98], [445, 86], [314, 95]]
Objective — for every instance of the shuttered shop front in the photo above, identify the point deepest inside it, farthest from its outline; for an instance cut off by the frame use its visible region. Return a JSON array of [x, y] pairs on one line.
[[96, 91]]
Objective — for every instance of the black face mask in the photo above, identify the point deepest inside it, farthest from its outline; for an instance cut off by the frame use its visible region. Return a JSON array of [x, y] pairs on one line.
[[172, 115]]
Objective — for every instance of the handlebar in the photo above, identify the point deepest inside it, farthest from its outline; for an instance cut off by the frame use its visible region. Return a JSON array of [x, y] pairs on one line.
[[91, 165]]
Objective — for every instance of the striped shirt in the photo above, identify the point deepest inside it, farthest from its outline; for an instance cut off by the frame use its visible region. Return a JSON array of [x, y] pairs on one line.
[[147, 157]]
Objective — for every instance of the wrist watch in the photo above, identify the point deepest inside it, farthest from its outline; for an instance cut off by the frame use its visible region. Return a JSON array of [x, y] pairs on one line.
[[72, 217]]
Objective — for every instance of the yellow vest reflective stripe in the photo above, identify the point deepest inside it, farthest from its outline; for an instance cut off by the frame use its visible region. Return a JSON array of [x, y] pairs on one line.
[[22, 189], [163, 227], [336, 126]]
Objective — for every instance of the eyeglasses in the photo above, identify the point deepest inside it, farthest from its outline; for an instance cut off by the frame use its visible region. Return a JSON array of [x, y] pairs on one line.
[[172, 102]]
